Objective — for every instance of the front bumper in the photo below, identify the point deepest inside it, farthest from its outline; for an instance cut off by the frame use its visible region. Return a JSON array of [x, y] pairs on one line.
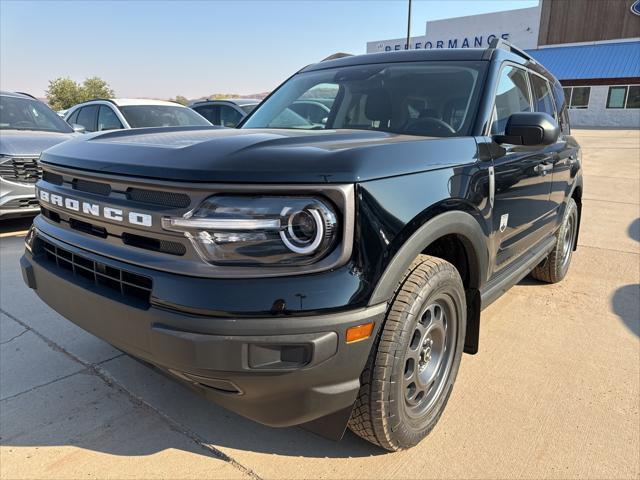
[[279, 370], [17, 200]]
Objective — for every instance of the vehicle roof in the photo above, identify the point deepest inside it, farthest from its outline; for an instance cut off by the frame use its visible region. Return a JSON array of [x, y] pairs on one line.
[[400, 56], [443, 54], [237, 101], [123, 102], [17, 95]]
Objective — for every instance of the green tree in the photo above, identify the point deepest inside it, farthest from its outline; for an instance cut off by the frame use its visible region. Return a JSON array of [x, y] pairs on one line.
[[180, 99], [63, 93], [95, 87]]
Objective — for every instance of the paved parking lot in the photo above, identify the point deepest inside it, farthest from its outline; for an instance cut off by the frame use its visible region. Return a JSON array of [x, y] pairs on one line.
[[553, 393]]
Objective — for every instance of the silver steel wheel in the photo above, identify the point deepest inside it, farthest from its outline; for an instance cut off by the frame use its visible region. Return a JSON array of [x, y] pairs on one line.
[[567, 241], [429, 356]]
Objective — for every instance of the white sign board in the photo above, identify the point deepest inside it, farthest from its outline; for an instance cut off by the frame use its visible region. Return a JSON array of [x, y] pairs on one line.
[[520, 27]]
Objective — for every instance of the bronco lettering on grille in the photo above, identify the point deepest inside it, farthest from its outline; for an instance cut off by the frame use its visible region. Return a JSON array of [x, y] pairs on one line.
[[94, 209]]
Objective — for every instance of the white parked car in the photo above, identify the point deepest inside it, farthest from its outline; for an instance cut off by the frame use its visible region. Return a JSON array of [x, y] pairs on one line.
[[117, 113]]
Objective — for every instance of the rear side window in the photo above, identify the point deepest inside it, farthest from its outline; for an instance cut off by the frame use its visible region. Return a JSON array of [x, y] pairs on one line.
[[210, 112], [107, 119], [229, 116], [512, 96], [542, 99], [87, 117]]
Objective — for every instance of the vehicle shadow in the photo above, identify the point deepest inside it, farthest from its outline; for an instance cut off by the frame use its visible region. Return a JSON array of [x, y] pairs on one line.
[[73, 414], [626, 304], [634, 230]]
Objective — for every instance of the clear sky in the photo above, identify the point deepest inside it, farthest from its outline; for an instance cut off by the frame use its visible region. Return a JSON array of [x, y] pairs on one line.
[[194, 48]]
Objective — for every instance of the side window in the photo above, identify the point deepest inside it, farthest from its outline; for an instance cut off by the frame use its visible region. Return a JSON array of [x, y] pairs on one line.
[[107, 119], [73, 118], [87, 117], [210, 112], [229, 116], [512, 96], [542, 99]]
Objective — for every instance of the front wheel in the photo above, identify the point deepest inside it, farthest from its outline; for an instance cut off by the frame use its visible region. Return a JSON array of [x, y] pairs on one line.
[[411, 371], [556, 265]]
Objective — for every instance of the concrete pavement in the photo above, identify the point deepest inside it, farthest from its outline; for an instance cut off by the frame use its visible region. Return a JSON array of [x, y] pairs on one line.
[[553, 393]]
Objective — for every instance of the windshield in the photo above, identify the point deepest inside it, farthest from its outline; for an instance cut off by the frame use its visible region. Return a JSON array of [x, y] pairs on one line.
[[417, 98], [141, 116], [27, 114]]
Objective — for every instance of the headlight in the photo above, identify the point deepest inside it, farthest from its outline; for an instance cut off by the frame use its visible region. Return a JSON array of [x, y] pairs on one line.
[[260, 230]]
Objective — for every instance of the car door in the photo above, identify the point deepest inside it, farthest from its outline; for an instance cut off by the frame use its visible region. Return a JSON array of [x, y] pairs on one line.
[[522, 213]]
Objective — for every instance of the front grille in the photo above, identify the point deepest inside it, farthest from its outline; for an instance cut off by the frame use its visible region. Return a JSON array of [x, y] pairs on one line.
[[156, 197], [127, 284], [21, 203], [21, 169], [92, 187], [154, 244]]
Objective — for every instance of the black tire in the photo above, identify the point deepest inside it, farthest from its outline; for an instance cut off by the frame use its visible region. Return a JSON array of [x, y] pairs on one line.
[[430, 296], [555, 267]]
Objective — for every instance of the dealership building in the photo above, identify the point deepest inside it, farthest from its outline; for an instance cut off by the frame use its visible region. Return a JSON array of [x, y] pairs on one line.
[[591, 46]]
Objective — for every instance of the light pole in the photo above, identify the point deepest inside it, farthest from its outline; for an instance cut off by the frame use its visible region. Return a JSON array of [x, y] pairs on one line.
[[409, 26]]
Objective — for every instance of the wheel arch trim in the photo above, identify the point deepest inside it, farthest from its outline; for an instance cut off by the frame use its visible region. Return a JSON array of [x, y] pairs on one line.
[[458, 223]]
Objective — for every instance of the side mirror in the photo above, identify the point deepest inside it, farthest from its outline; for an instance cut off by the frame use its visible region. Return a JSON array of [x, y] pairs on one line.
[[530, 128], [78, 128]]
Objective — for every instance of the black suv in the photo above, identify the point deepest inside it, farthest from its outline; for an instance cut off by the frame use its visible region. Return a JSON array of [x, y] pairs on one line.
[[320, 274]]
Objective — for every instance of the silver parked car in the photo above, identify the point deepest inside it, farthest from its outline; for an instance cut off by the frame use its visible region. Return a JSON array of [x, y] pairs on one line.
[[123, 113], [27, 127]]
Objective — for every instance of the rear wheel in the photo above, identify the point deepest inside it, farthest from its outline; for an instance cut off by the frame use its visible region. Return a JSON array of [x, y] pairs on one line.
[[555, 267], [411, 371]]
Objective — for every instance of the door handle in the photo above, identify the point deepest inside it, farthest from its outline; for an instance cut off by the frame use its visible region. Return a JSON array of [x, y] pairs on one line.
[[543, 168]]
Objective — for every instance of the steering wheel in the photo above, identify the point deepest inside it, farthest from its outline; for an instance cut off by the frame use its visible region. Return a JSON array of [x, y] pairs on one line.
[[23, 123], [430, 126]]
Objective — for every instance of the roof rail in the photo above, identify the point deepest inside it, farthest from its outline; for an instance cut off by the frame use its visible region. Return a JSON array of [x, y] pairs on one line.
[[27, 94], [498, 42], [337, 55], [101, 99]]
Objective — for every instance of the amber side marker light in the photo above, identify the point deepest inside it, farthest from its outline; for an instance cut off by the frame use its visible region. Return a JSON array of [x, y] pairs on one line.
[[359, 332]]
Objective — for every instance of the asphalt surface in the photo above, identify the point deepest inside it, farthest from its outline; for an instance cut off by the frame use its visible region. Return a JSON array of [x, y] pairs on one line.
[[553, 393]]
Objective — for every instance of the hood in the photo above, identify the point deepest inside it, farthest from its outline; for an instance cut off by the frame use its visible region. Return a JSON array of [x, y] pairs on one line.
[[259, 155], [29, 142]]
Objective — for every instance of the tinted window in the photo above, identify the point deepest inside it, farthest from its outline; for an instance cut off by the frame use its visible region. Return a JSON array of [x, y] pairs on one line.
[[87, 117], [248, 108], [107, 119], [512, 96], [27, 114], [141, 116], [580, 97], [210, 112], [416, 98], [229, 116], [543, 101], [313, 112], [73, 117]]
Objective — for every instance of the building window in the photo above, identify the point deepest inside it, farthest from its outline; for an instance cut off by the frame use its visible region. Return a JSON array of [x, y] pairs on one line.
[[627, 96], [633, 97], [617, 97], [577, 97]]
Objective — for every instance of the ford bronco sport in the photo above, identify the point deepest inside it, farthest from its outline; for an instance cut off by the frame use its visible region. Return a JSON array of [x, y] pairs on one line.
[[319, 273]]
